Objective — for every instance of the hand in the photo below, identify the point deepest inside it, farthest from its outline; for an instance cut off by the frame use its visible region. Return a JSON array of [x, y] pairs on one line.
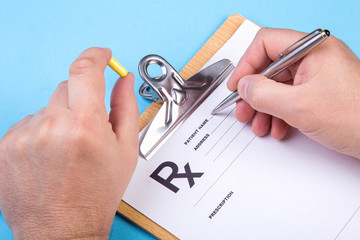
[[319, 95], [64, 170]]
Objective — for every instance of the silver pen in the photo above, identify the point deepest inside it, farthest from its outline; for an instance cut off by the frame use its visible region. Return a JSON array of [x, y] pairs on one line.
[[289, 56]]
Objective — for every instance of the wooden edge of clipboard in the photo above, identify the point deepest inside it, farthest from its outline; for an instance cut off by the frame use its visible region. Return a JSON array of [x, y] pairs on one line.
[[216, 41]]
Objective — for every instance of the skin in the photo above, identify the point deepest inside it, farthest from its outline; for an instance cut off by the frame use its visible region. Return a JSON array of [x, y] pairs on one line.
[[64, 170], [319, 95]]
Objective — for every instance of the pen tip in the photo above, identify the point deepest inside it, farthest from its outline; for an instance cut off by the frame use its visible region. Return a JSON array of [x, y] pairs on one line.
[[327, 32], [217, 109]]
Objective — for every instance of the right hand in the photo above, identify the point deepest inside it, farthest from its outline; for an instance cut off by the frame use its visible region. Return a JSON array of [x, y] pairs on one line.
[[321, 97]]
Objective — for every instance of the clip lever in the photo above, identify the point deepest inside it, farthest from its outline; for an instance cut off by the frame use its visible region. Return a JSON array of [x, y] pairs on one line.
[[145, 92], [299, 42]]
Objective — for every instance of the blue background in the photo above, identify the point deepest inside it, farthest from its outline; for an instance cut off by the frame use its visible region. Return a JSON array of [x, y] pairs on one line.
[[40, 39]]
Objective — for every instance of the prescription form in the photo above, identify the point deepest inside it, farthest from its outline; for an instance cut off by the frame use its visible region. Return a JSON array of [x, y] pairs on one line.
[[214, 179]]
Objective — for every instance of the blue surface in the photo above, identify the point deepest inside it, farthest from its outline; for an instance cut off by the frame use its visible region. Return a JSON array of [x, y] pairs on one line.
[[46, 36]]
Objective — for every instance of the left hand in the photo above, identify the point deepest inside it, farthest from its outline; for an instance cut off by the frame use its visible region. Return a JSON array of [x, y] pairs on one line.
[[64, 170]]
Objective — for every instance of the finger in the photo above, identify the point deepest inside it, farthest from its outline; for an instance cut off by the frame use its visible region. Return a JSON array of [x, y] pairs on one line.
[[261, 124], [86, 80], [264, 49], [279, 128], [124, 114], [244, 112], [59, 99], [268, 96]]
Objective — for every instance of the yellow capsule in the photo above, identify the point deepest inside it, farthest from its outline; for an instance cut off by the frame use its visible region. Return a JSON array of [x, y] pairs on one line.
[[116, 66]]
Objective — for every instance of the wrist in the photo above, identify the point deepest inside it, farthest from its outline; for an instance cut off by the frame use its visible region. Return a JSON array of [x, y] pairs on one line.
[[66, 231], [61, 226]]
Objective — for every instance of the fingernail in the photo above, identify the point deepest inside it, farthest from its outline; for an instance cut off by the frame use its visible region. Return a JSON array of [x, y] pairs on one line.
[[243, 86], [130, 78]]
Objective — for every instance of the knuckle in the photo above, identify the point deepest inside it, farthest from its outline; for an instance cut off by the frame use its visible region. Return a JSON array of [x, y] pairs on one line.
[[262, 32], [342, 48], [81, 65], [17, 125], [65, 133], [63, 84], [20, 142], [46, 131], [337, 46], [74, 133], [336, 41], [28, 117], [40, 112]]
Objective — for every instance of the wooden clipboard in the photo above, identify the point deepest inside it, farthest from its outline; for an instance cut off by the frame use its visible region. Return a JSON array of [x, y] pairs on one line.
[[226, 30]]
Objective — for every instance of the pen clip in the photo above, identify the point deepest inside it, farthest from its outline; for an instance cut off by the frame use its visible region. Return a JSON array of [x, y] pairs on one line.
[[299, 42]]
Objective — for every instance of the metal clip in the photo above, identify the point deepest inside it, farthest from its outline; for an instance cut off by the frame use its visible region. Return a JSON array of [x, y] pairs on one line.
[[299, 42], [145, 91], [180, 97]]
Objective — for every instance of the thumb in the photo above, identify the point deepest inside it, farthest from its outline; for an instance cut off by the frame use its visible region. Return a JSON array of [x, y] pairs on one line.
[[124, 114], [268, 96]]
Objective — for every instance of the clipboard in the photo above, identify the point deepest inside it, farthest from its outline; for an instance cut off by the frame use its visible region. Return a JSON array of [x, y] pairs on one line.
[[216, 41]]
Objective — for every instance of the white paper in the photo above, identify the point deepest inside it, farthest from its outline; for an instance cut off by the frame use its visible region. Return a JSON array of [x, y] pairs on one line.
[[251, 187]]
